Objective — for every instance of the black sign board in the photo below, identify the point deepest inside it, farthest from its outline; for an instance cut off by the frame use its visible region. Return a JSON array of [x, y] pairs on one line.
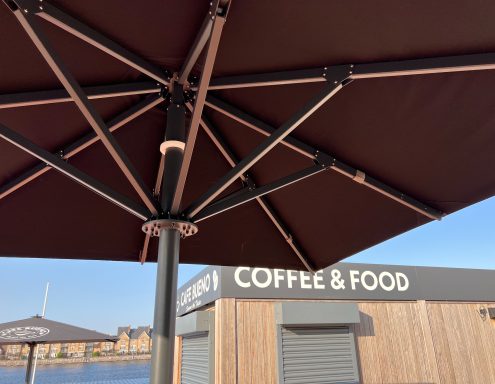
[[342, 281]]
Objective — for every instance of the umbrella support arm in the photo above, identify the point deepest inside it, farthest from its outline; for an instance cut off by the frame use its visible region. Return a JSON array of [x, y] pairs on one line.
[[58, 67], [218, 22], [248, 193], [324, 158], [425, 66], [25, 99], [278, 135], [270, 212], [80, 30], [73, 173], [80, 145]]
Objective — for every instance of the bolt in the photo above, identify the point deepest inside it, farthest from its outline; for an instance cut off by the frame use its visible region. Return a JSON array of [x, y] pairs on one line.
[[335, 82], [25, 11], [41, 8]]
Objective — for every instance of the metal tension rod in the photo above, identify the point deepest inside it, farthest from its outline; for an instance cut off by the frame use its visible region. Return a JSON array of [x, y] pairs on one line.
[[87, 109], [81, 144], [211, 53], [25, 99], [69, 24], [247, 194], [73, 173], [460, 63], [261, 150], [316, 155]]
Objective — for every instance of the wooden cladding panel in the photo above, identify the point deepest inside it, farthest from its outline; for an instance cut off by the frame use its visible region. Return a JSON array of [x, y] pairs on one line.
[[256, 343], [464, 343], [392, 344], [177, 360], [397, 342], [225, 342]]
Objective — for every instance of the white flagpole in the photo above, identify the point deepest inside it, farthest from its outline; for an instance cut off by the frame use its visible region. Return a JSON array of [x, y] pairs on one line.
[[36, 348]]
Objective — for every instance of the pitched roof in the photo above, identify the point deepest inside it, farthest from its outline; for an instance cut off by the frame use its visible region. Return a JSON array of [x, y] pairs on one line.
[[137, 332], [126, 330]]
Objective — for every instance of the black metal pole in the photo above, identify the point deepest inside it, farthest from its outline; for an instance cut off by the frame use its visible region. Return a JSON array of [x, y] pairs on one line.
[[29, 367], [162, 359]]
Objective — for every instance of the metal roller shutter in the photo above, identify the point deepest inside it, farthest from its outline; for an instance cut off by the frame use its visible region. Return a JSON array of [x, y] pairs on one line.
[[195, 362], [318, 355]]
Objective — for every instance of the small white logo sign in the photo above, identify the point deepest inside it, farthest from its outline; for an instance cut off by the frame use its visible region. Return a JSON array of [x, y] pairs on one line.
[[215, 280], [21, 333]]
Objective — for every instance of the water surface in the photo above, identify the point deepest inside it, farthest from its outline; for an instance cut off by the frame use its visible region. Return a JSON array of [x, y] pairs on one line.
[[122, 372]]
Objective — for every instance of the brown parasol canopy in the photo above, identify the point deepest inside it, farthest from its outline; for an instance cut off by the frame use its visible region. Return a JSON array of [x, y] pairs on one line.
[[392, 101]]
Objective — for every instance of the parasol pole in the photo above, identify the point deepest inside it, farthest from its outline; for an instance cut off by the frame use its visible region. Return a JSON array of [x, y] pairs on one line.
[[169, 231], [35, 347]]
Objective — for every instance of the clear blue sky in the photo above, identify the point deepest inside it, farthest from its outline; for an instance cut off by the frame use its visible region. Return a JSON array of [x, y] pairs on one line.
[[103, 295]]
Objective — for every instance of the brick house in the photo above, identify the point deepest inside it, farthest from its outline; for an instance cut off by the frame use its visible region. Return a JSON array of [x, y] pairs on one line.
[[122, 345], [133, 340]]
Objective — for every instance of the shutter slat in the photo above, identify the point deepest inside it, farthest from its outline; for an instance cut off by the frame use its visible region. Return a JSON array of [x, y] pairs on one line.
[[322, 355], [195, 359]]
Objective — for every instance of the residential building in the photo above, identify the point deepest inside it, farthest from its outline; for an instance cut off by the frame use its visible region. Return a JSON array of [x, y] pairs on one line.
[[133, 340]]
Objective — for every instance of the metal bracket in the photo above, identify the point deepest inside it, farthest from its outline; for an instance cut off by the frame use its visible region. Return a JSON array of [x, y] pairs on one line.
[[326, 161], [27, 6], [338, 74], [248, 182], [186, 228]]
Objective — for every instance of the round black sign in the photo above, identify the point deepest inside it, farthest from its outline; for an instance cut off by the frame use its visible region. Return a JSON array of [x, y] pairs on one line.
[[22, 333]]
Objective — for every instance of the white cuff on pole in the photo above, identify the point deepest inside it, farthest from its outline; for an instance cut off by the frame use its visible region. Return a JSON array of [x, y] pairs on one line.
[[172, 144]]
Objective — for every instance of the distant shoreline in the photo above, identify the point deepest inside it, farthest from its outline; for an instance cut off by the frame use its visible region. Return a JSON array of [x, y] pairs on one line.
[[77, 360]]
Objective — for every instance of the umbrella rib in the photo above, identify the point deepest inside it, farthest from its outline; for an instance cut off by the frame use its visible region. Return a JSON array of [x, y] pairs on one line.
[[261, 150], [300, 76], [81, 144], [314, 154], [25, 99], [29, 24], [73, 173], [80, 30], [271, 213], [424, 66], [211, 52], [198, 44]]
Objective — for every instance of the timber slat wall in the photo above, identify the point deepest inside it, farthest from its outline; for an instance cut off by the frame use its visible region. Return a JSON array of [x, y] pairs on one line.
[[392, 344], [464, 343], [225, 342], [397, 343], [256, 343]]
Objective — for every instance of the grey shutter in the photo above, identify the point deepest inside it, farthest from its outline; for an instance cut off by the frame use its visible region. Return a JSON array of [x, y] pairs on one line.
[[318, 355], [195, 352]]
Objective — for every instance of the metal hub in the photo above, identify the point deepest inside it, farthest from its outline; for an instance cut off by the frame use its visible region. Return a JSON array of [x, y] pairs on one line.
[[185, 228]]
